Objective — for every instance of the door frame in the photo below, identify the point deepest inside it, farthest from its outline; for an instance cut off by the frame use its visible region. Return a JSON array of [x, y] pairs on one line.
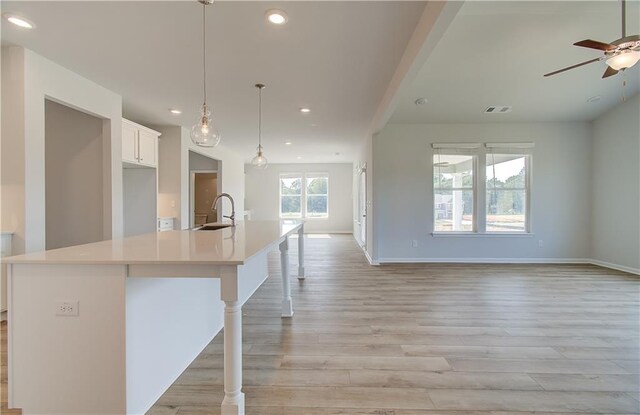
[[362, 206]]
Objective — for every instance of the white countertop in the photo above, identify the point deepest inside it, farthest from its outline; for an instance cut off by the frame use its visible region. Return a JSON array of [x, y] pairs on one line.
[[228, 246]]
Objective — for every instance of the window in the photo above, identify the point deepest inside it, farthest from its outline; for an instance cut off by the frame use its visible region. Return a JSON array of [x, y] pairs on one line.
[[507, 189], [482, 188], [290, 197], [308, 201], [317, 200], [453, 195]]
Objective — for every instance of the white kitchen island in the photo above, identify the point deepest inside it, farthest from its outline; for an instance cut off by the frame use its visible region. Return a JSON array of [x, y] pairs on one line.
[[107, 327]]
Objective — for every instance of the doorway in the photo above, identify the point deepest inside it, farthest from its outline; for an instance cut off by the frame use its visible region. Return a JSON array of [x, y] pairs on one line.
[[204, 186], [205, 190]]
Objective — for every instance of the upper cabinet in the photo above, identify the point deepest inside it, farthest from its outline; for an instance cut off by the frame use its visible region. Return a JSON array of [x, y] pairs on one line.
[[139, 145]]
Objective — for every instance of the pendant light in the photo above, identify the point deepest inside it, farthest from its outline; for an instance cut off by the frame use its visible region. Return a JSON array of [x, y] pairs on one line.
[[259, 161], [204, 133]]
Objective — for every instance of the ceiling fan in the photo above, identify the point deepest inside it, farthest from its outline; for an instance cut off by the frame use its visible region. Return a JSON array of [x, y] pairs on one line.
[[619, 55]]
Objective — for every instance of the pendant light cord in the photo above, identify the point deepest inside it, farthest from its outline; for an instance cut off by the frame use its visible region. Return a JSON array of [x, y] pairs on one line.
[[260, 118], [204, 51]]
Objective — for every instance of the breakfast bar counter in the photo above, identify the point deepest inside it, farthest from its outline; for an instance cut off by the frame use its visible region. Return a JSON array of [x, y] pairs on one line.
[[107, 327]]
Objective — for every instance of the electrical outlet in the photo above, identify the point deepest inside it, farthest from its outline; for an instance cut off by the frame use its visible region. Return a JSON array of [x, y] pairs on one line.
[[67, 308], [540, 243], [414, 243]]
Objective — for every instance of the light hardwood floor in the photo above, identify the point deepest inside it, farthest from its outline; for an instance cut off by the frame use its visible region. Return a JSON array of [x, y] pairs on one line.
[[428, 339]]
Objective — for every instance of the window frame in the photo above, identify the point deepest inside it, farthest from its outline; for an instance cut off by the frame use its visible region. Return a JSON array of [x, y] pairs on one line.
[[306, 194], [480, 151], [527, 189], [303, 194], [452, 151]]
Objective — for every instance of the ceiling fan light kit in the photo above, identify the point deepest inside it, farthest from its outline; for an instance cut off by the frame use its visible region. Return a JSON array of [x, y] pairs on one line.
[[624, 60], [619, 55]]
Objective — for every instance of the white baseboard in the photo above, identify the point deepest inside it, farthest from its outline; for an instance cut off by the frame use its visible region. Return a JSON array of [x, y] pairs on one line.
[[617, 267], [306, 232], [484, 260], [371, 261]]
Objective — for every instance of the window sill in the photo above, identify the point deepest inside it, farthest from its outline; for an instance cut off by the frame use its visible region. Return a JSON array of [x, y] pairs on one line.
[[488, 234]]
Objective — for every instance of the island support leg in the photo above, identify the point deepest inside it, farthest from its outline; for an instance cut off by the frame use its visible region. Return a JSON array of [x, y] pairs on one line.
[[233, 403], [287, 305], [301, 275]]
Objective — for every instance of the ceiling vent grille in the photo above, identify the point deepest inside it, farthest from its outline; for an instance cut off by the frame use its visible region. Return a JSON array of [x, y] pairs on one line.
[[497, 109]]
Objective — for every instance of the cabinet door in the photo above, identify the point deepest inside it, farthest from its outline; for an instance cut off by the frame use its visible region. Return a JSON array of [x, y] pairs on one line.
[[129, 143], [147, 149]]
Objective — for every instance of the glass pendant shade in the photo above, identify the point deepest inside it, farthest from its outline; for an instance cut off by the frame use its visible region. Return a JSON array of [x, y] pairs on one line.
[[259, 161], [204, 133], [624, 59]]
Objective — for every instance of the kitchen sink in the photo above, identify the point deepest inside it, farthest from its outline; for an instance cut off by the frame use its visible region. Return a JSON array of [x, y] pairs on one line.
[[212, 227]]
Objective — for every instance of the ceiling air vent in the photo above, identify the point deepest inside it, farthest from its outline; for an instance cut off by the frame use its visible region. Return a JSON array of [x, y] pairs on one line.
[[497, 109]]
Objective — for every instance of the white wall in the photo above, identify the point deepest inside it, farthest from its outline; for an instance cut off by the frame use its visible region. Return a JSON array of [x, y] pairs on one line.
[[27, 80], [262, 194], [560, 193], [73, 177], [616, 187], [174, 174]]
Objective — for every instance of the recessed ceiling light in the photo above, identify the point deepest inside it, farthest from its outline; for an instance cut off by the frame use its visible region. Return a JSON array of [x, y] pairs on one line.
[[18, 21], [594, 98], [175, 111], [420, 101], [305, 110], [277, 17], [299, 157], [288, 143]]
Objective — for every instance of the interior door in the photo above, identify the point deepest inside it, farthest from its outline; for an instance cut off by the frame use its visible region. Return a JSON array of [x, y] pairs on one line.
[[362, 206]]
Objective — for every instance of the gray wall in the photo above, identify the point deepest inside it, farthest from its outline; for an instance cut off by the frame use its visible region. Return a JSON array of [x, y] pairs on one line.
[[139, 189], [73, 177], [616, 186], [560, 192]]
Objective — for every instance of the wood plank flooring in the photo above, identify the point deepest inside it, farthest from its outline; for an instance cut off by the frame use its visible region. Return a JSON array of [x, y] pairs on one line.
[[429, 339], [426, 339]]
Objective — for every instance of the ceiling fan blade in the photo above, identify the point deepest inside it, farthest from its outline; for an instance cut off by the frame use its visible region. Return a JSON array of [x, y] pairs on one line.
[[574, 66], [609, 72], [594, 44]]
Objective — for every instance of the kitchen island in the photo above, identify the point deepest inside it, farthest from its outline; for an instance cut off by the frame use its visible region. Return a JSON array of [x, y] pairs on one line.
[[107, 327]]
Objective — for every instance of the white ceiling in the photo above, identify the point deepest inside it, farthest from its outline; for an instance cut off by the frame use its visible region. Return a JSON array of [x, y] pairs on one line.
[[495, 53], [335, 57]]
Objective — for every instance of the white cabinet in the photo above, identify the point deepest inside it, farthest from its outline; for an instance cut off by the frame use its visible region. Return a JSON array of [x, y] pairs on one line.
[[139, 145]]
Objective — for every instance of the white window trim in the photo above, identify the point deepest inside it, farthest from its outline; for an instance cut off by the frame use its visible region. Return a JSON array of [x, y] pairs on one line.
[[303, 194], [463, 149], [517, 151], [290, 176], [480, 152], [310, 175]]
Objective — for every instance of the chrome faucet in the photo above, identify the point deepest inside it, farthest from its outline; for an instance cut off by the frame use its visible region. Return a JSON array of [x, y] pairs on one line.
[[233, 208]]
